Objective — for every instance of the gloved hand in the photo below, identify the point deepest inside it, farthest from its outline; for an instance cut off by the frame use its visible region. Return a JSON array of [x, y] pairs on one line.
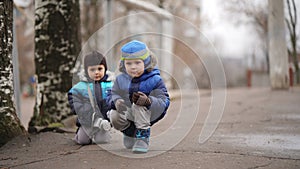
[[102, 124], [135, 97], [120, 105], [141, 99]]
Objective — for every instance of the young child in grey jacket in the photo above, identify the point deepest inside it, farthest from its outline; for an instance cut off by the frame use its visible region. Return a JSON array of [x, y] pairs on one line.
[[87, 99]]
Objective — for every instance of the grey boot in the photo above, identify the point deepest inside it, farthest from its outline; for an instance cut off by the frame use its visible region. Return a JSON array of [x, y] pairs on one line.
[[129, 136], [141, 144]]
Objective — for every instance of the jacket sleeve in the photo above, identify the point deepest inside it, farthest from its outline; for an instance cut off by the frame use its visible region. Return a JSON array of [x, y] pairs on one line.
[[114, 95], [106, 93], [160, 100], [70, 100], [81, 106]]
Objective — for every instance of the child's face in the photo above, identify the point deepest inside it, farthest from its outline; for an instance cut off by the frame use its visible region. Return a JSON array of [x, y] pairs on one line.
[[134, 67], [96, 72]]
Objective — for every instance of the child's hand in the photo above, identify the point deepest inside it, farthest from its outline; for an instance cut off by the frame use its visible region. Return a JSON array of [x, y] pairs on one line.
[[120, 105], [135, 97], [102, 124], [141, 99]]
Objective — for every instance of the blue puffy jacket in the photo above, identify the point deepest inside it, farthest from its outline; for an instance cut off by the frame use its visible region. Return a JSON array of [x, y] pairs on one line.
[[149, 83]]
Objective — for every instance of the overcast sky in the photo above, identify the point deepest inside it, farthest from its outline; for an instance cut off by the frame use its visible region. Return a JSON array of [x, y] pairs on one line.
[[231, 40], [234, 41]]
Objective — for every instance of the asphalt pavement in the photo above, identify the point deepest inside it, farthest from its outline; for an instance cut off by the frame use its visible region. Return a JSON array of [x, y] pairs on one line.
[[256, 128]]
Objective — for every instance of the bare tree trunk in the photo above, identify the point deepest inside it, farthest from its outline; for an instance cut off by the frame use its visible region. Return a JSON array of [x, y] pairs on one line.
[[10, 125], [57, 46], [277, 46], [92, 19], [291, 24]]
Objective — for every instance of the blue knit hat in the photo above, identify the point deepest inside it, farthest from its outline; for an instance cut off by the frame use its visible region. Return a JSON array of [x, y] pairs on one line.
[[135, 50]]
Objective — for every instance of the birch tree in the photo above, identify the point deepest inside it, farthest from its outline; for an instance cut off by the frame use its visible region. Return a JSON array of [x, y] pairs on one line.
[[277, 46], [57, 45], [10, 125]]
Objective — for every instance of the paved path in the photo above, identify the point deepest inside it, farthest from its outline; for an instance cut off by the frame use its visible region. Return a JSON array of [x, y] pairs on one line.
[[259, 129]]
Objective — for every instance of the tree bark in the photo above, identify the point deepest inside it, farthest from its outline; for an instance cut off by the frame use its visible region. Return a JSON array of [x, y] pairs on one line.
[[57, 46], [291, 24], [10, 125], [277, 46]]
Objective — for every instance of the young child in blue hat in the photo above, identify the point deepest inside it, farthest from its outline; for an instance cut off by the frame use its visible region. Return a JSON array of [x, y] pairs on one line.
[[139, 97]]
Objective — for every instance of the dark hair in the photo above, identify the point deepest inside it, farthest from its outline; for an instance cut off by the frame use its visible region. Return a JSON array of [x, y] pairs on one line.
[[92, 59]]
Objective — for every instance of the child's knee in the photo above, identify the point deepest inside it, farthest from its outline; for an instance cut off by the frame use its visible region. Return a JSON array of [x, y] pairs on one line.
[[118, 121], [83, 141], [82, 138], [102, 137], [114, 116]]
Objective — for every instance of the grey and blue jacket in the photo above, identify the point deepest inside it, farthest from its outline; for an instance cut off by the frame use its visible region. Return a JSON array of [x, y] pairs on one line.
[[80, 103]]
